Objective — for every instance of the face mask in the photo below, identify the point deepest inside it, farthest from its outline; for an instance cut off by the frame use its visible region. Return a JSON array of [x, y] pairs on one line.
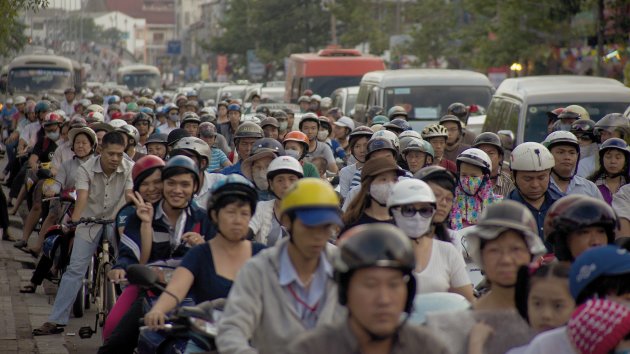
[[565, 127], [322, 135], [380, 192], [471, 185], [293, 153], [413, 226], [260, 180], [283, 125], [174, 117], [54, 136]]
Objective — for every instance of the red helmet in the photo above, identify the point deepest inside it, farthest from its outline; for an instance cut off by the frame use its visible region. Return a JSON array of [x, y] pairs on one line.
[[143, 168], [116, 115], [52, 118], [127, 117]]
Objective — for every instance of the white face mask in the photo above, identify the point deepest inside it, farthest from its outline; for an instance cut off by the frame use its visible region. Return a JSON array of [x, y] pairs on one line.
[[283, 125], [322, 135], [381, 191], [413, 226], [293, 153], [260, 180]]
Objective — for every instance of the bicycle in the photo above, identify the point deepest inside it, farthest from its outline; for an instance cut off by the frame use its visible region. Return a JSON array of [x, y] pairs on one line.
[[97, 289]]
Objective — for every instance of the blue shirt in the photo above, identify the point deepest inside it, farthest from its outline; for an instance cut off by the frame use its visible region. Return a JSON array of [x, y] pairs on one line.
[[577, 185], [217, 159], [306, 299], [236, 168], [539, 214], [337, 149], [208, 285]]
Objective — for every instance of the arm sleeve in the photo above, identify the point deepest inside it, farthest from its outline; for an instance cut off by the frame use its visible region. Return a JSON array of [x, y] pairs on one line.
[[621, 202], [57, 159], [256, 221], [129, 246], [458, 274], [37, 149], [242, 312], [328, 154], [62, 177], [222, 157], [345, 177], [82, 180]]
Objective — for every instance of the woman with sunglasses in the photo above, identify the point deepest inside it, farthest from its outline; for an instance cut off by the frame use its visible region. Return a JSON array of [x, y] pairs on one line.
[[440, 266]]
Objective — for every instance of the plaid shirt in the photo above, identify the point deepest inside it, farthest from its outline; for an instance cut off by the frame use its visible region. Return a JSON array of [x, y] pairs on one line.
[[503, 185]]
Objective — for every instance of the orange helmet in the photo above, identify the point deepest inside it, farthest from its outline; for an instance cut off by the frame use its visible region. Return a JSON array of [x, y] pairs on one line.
[[299, 137]]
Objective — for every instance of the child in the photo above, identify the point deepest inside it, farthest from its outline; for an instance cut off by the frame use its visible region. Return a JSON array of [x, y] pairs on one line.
[[321, 164]]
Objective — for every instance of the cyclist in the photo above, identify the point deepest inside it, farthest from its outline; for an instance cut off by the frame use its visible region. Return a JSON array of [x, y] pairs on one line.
[[584, 130], [490, 143], [102, 185], [397, 112], [295, 144], [576, 223], [350, 176], [474, 190], [255, 166], [454, 141], [436, 135], [309, 125], [67, 104], [342, 129], [613, 173], [569, 115], [531, 165], [244, 138], [565, 149], [207, 272], [305, 104], [369, 205], [222, 112], [282, 173], [257, 314], [166, 230], [208, 133], [373, 270], [439, 266]]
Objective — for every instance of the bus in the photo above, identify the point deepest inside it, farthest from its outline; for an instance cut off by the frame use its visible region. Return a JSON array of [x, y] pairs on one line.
[[326, 71], [36, 74], [140, 76]]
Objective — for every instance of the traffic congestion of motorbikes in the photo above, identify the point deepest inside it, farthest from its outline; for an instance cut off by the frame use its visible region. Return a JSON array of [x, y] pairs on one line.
[[246, 224]]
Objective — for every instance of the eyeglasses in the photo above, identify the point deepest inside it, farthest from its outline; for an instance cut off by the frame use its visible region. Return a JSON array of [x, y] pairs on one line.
[[409, 211]]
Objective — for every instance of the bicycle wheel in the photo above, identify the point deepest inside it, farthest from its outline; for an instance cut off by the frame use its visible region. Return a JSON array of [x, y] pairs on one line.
[[81, 303], [108, 293]]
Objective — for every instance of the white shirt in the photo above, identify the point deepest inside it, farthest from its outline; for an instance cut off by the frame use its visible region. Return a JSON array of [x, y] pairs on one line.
[[345, 179], [165, 129], [587, 166], [29, 133], [445, 270], [552, 341], [321, 150], [203, 195]]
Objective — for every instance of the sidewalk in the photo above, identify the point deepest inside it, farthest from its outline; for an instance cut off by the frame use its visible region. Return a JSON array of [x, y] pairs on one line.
[[23, 312]]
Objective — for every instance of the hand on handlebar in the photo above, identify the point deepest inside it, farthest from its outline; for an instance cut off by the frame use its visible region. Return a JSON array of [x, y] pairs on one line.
[[154, 319], [116, 275]]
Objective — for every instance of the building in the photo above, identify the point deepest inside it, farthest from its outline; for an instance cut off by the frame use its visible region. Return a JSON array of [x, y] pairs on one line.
[[133, 30]]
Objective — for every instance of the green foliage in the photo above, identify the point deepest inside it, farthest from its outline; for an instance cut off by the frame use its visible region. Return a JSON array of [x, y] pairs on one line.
[[12, 37], [365, 21]]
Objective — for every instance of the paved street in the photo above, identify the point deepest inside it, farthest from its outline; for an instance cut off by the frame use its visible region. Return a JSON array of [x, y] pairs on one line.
[[23, 312]]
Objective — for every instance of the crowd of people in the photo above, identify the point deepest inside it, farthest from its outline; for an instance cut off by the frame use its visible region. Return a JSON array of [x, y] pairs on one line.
[[324, 234]]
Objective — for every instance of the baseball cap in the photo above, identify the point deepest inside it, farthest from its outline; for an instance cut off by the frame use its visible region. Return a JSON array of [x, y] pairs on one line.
[[313, 217], [597, 262]]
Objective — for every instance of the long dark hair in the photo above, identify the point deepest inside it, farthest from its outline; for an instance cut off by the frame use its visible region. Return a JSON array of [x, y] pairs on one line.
[[601, 172], [525, 280]]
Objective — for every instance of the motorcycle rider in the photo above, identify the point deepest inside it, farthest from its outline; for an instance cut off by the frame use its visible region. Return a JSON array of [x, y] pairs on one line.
[[357, 142], [437, 135], [244, 138], [142, 122], [462, 112], [374, 272], [565, 149], [309, 125], [229, 129], [613, 125], [490, 143], [298, 268], [584, 130], [454, 142], [67, 104]]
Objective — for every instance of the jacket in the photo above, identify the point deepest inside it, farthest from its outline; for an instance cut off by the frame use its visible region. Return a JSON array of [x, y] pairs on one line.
[[257, 309]]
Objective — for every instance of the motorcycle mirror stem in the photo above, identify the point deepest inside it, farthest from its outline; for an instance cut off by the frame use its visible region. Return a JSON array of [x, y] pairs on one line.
[[142, 275]]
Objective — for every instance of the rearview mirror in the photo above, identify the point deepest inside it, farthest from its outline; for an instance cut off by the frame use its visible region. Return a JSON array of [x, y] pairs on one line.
[[141, 275]]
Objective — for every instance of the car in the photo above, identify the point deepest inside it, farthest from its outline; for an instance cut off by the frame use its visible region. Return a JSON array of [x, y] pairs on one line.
[[344, 99], [233, 91], [520, 105], [208, 92]]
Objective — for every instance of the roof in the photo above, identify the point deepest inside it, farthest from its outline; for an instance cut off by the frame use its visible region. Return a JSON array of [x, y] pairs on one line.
[[153, 11], [428, 77], [564, 88]]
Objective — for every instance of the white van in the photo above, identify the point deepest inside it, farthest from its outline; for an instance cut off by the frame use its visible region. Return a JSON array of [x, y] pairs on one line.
[[520, 105], [424, 93]]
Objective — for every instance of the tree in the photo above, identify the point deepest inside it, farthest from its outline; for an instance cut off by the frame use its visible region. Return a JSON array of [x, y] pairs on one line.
[[12, 38], [364, 21]]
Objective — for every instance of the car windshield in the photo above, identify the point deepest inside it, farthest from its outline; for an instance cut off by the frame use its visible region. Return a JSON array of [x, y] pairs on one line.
[[35, 80], [141, 80], [238, 93], [536, 119], [431, 102], [272, 96], [351, 99], [325, 85], [208, 93]]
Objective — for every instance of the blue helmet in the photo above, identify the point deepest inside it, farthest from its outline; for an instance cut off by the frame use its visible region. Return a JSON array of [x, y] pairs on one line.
[[233, 185]]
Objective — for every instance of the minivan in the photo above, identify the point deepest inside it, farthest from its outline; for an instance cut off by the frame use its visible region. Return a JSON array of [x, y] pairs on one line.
[[520, 105], [424, 93]]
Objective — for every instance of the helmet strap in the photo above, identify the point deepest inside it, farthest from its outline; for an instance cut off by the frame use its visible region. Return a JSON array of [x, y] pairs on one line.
[[565, 179]]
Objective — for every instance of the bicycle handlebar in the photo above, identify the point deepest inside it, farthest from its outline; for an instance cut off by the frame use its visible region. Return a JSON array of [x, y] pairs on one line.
[[91, 220]]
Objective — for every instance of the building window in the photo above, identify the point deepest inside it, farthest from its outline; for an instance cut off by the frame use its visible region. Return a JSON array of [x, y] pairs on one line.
[[38, 26], [158, 38]]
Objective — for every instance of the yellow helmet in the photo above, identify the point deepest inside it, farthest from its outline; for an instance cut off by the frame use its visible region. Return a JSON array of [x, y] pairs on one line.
[[313, 201]]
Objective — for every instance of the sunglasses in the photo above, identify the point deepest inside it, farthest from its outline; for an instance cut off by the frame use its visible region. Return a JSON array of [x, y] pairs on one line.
[[409, 211]]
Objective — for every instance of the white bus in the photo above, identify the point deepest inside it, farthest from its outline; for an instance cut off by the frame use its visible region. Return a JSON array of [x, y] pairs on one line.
[[140, 76], [36, 74]]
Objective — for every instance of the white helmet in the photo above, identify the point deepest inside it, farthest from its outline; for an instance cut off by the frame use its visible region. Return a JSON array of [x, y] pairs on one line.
[[561, 137], [130, 131], [117, 123], [326, 102], [284, 164], [95, 108], [194, 144], [62, 114], [475, 157], [410, 133], [531, 156], [410, 191], [317, 98], [389, 136], [19, 100], [98, 117]]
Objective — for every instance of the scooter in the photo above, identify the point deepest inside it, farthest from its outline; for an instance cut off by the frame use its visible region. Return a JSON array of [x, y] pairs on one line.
[[197, 323]]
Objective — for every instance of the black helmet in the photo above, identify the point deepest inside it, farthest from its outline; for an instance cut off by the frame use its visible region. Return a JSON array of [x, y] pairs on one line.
[[176, 135], [141, 117], [379, 143], [280, 114], [176, 163], [580, 214], [584, 127], [268, 144], [617, 144], [397, 124], [42, 106], [312, 117], [231, 185], [360, 132], [458, 110], [160, 138], [451, 118], [264, 110], [397, 111], [489, 138], [375, 245], [436, 173], [374, 111]]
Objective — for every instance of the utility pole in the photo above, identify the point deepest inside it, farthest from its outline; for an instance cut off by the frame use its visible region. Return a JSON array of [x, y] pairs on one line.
[[600, 37]]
